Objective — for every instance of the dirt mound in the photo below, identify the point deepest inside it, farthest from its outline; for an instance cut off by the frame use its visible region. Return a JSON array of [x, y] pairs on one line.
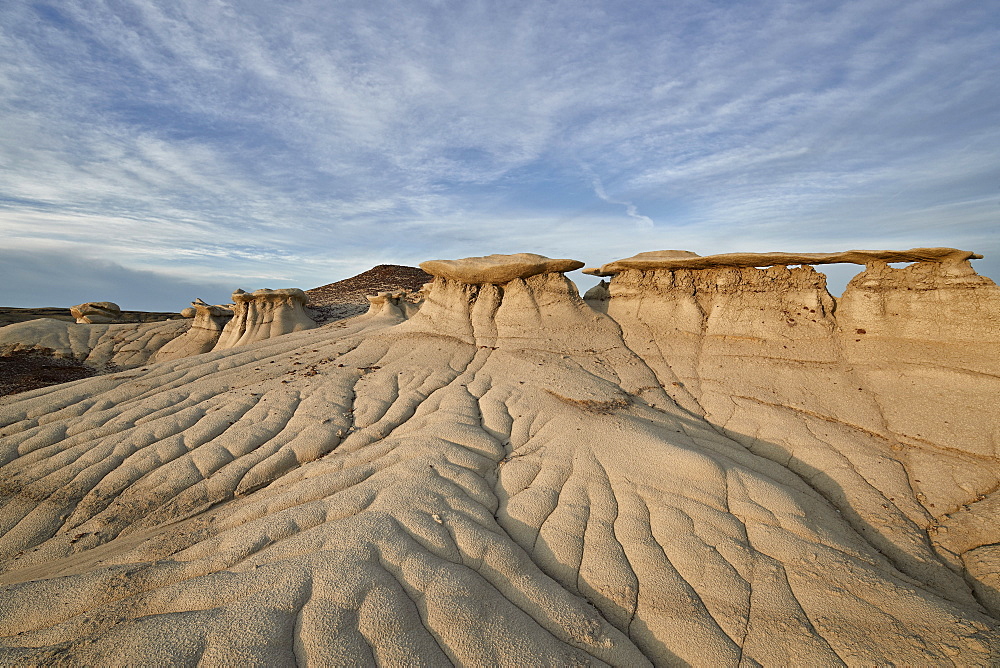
[[382, 278], [23, 371]]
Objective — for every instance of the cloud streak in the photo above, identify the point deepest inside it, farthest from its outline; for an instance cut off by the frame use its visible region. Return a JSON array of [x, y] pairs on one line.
[[642, 222]]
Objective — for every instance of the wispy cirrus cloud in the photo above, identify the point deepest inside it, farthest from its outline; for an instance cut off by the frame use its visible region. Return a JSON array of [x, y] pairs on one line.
[[305, 140]]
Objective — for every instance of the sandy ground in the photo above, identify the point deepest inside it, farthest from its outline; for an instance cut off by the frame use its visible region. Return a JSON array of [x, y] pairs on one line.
[[728, 467], [29, 371]]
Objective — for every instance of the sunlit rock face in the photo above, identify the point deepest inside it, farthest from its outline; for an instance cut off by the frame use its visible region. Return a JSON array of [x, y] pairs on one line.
[[96, 313], [893, 381], [263, 314], [702, 475]]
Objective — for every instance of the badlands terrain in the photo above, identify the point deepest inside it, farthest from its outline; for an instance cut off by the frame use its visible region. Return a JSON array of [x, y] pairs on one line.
[[704, 461]]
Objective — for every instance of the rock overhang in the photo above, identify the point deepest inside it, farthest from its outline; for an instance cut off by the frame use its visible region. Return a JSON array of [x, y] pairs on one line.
[[265, 294], [497, 269], [673, 259]]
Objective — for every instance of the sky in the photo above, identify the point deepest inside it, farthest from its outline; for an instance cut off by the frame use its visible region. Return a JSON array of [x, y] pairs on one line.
[[152, 152]]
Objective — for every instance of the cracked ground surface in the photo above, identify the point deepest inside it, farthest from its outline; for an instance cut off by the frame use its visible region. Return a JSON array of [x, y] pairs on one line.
[[719, 473]]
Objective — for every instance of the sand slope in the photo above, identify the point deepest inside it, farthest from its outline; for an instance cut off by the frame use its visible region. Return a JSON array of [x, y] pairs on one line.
[[720, 471]]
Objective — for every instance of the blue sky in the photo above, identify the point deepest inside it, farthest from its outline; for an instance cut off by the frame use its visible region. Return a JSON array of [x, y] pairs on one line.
[[154, 152]]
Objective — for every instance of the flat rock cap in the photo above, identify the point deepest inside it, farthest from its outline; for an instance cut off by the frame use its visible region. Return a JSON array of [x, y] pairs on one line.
[[686, 260], [265, 294], [497, 269]]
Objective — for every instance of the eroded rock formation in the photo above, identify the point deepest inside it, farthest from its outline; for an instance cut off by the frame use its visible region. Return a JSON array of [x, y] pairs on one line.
[[208, 323], [96, 313], [718, 471], [263, 314], [121, 346], [399, 303]]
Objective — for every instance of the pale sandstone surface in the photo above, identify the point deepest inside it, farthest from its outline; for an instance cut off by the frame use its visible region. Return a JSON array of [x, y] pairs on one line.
[[499, 479], [96, 313], [124, 346], [496, 269], [673, 259]]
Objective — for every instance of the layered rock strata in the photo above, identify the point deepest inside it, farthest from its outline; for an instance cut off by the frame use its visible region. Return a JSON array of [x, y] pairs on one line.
[[508, 476]]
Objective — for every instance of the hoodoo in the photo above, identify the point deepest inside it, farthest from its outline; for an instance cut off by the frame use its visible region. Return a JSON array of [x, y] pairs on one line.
[[207, 325], [719, 470], [262, 314]]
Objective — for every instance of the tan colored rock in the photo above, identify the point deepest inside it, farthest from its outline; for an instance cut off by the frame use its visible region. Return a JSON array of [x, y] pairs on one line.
[[264, 314], [96, 313], [877, 382], [663, 260], [497, 269], [512, 477]]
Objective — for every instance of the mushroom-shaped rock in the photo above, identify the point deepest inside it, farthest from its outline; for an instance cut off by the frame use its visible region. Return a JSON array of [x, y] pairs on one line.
[[497, 269], [263, 314], [397, 303], [686, 260], [386, 303], [96, 313]]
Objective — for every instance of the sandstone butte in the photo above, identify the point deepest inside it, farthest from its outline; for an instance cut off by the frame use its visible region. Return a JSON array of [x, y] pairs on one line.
[[705, 462]]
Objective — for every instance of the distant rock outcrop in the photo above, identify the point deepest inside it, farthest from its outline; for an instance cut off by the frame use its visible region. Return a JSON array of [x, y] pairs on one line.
[[394, 303], [96, 313], [597, 297], [10, 315]]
